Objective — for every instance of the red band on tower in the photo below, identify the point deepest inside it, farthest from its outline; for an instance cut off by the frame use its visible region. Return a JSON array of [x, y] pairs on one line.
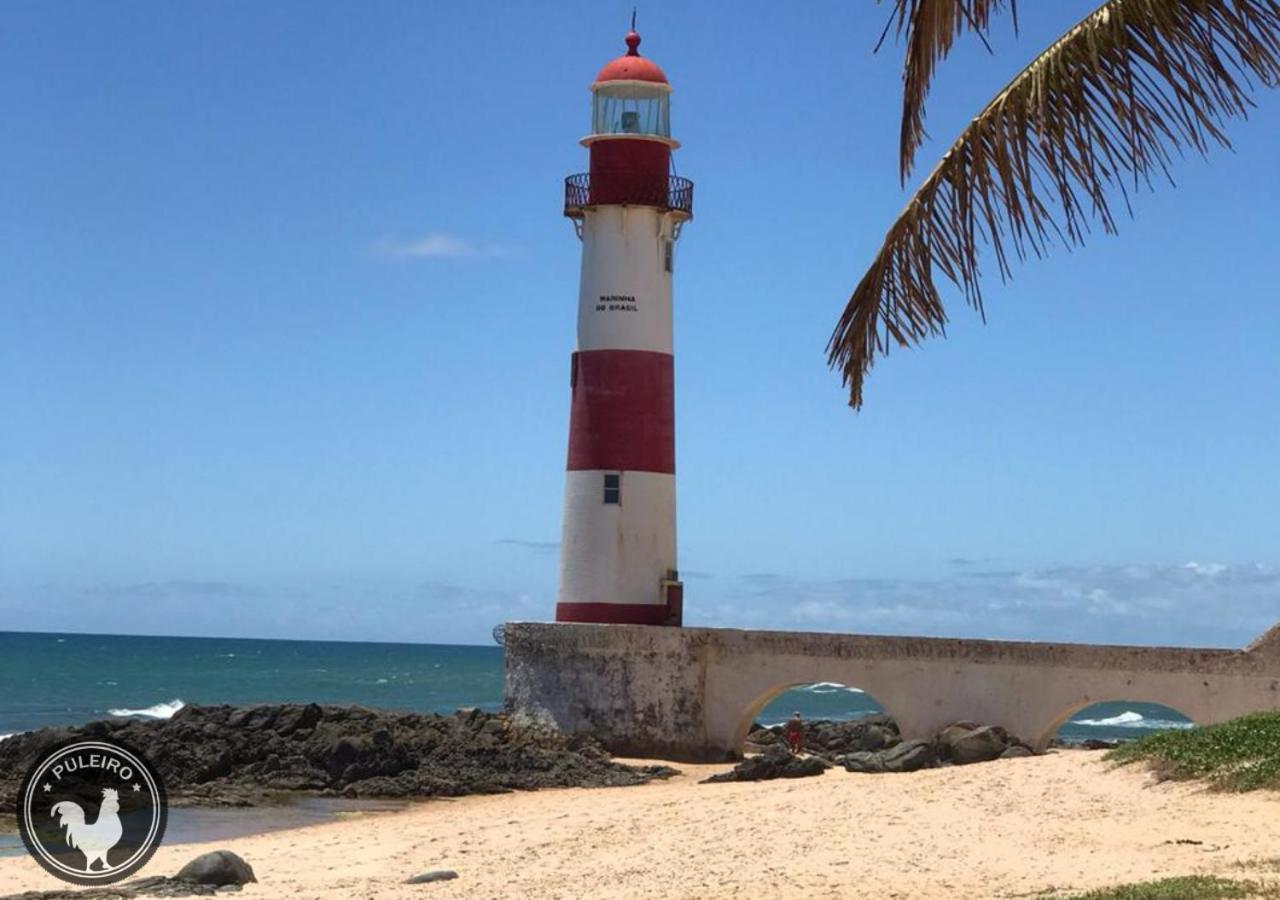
[[622, 415], [613, 613]]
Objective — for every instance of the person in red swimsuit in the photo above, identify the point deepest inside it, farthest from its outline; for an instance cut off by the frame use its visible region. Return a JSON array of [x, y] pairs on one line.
[[795, 734]]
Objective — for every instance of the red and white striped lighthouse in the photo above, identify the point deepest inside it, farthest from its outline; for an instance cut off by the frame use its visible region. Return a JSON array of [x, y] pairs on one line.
[[618, 549]]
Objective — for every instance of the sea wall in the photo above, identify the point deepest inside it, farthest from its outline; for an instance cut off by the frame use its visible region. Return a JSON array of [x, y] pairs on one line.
[[692, 693]]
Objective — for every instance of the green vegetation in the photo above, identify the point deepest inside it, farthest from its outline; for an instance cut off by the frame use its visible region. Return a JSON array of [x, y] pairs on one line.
[[1188, 887], [1240, 755]]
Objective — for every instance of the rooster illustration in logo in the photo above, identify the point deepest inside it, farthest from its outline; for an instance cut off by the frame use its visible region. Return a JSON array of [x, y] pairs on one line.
[[95, 840]]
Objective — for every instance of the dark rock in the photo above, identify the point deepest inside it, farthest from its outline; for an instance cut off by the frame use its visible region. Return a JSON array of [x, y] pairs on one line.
[[219, 868], [428, 877], [964, 743], [298, 718], [828, 739], [1060, 743], [862, 761], [775, 762], [951, 733], [154, 886], [1016, 751], [228, 756], [908, 756]]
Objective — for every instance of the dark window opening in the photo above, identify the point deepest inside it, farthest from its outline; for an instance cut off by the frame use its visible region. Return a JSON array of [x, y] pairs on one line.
[[612, 487], [668, 255]]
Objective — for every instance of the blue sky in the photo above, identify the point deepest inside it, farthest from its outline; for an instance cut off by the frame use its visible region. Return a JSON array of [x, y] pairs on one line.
[[286, 303]]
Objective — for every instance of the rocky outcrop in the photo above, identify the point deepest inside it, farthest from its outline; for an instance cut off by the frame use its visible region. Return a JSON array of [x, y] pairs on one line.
[[830, 739], [223, 755], [775, 762], [873, 744]]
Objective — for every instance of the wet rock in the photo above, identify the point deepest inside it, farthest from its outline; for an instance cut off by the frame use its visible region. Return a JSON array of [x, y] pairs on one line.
[[775, 762], [219, 868], [436, 875]]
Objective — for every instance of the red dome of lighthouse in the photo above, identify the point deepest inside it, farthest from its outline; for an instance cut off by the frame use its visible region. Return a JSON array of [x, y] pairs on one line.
[[632, 66]]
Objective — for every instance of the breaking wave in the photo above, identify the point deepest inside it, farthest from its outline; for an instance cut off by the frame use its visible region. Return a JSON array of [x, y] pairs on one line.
[[5, 736], [159, 711], [1131, 719], [830, 687]]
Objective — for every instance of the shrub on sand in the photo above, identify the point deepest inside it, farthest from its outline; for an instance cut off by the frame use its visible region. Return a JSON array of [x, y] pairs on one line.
[[1240, 755], [1189, 887]]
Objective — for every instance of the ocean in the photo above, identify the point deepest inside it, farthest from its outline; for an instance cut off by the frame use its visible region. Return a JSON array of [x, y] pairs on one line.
[[67, 679]]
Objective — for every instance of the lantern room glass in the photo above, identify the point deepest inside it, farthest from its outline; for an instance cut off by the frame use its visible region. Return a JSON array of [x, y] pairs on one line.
[[631, 108]]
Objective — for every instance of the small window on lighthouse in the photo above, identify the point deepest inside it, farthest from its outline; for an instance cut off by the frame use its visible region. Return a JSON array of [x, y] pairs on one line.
[[668, 254], [612, 487]]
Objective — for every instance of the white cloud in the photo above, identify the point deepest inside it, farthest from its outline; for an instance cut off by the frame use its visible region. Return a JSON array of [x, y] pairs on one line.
[[1207, 605], [432, 612], [1211, 604], [1209, 569], [437, 245]]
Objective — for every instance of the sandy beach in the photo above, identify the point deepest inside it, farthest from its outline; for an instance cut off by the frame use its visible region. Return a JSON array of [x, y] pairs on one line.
[[1012, 828]]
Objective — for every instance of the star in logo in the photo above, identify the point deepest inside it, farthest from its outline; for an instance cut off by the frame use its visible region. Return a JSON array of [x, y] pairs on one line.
[[136, 788], [48, 788]]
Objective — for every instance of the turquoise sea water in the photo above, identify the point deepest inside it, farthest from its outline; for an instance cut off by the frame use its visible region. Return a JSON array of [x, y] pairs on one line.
[[64, 679]]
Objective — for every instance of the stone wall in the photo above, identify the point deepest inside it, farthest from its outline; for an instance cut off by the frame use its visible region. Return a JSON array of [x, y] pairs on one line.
[[692, 693]]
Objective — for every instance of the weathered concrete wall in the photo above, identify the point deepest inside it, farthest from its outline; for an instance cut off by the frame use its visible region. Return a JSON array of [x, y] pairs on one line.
[[692, 693]]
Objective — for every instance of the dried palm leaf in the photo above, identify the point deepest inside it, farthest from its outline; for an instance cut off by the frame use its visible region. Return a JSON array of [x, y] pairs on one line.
[[1107, 104], [931, 26]]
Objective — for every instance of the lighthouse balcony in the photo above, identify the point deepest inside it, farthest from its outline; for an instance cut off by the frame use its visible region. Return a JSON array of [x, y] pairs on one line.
[[668, 192]]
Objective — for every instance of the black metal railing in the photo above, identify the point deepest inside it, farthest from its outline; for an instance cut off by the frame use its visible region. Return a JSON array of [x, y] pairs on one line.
[[627, 188]]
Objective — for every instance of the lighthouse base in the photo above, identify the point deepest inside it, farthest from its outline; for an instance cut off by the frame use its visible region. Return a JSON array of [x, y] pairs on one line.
[[615, 613]]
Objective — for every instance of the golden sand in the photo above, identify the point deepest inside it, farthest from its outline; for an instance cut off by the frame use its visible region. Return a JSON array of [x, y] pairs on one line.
[[1011, 828]]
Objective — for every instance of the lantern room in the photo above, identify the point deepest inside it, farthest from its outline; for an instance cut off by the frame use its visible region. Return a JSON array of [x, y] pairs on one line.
[[630, 142], [631, 98], [630, 108]]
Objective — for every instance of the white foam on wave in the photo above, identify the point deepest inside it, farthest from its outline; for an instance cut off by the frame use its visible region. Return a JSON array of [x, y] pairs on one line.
[[1131, 719], [830, 687], [5, 736], [159, 711]]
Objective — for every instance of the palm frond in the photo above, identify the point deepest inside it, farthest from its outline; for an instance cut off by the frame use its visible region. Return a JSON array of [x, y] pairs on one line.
[[1100, 111], [931, 27]]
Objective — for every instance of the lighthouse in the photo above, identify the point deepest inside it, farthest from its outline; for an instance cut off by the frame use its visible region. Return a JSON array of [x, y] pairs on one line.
[[618, 546]]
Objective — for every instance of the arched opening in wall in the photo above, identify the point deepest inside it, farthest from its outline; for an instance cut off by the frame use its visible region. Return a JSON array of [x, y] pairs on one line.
[[837, 718], [1117, 721]]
